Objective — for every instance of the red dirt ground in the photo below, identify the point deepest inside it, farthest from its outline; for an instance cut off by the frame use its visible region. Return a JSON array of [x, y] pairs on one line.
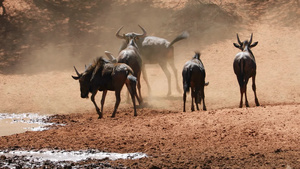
[[225, 136]]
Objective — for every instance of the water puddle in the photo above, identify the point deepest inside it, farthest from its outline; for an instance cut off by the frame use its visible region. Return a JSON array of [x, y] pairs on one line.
[[74, 156], [19, 123], [61, 159]]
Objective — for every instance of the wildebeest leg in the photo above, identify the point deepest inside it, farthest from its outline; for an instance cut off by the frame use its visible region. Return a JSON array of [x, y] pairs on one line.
[[168, 74], [245, 90], [197, 106], [139, 88], [241, 100], [131, 86], [184, 100], [146, 78], [97, 108], [192, 95], [203, 98], [133, 94], [118, 100], [204, 106], [254, 90], [197, 99], [103, 99], [175, 74], [241, 84]]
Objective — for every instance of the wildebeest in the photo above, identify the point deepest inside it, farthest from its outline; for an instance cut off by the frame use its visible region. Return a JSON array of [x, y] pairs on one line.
[[130, 56], [193, 75], [155, 50], [244, 66], [103, 75]]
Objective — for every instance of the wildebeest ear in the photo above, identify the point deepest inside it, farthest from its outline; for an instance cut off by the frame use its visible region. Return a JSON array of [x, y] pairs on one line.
[[253, 44], [236, 45], [76, 78]]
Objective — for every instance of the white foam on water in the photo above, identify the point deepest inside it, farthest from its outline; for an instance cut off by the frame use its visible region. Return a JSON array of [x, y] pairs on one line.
[[12, 123], [75, 156]]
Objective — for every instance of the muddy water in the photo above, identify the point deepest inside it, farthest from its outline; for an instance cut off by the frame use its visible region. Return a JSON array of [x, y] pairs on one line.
[[74, 156], [19, 123], [51, 158]]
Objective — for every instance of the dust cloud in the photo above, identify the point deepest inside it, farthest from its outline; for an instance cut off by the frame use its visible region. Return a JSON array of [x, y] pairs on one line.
[[43, 39]]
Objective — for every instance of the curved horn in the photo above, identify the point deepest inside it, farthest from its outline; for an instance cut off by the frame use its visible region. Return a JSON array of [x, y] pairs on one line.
[[237, 36], [78, 74], [251, 39], [144, 32], [118, 34]]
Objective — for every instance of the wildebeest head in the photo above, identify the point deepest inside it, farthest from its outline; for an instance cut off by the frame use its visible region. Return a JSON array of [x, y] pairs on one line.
[[84, 82], [128, 36], [88, 77], [246, 44]]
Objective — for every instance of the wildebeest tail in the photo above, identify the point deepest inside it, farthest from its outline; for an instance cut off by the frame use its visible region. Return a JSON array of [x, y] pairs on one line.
[[183, 35], [132, 78], [129, 70], [187, 73]]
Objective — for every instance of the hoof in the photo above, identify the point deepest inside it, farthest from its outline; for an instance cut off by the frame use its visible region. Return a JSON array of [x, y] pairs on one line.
[[257, 104], [247, 104]]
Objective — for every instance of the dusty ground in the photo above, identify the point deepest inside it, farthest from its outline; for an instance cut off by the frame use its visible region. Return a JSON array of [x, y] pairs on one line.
[[222, 137], [263, 137]]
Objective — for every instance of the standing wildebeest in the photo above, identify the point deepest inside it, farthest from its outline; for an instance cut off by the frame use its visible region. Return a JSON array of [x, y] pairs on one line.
[[130, 56], [245, 67], [104, 75], [155, 50], [193, 75]]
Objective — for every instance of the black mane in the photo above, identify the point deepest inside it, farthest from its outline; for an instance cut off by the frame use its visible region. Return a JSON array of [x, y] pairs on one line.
[[98, 63]]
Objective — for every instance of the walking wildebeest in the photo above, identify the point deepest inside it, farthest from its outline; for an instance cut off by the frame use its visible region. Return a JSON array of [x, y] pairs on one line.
[[103, 75], [155, 50], [244, 66], [130, 56], [193, 75]]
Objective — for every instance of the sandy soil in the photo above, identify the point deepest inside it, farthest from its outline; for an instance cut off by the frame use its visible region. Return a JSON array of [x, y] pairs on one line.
[[262, 137], [222, 137]]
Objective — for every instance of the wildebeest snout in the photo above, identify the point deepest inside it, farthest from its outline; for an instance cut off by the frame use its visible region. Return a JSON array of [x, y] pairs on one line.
[[85, 95]]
